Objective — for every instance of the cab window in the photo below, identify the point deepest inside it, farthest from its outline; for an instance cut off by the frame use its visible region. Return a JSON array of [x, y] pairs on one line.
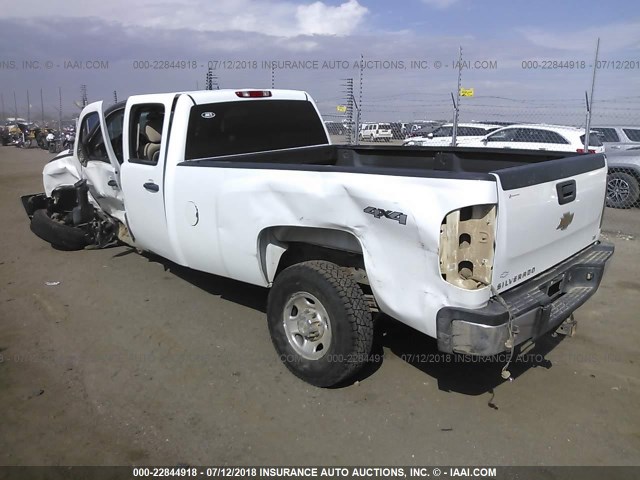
[[114, 129], [145, 133], [91, 146]]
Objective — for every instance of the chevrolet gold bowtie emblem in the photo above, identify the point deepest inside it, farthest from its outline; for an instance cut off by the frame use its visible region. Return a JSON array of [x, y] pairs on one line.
[[565, 221]]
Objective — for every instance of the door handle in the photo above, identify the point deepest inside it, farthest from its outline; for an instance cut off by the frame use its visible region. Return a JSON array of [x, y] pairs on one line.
[[112, 183], [152, 187]]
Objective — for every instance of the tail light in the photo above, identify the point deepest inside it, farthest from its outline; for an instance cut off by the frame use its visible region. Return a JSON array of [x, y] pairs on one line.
[[253, 93], [581, 150], [467, 239]]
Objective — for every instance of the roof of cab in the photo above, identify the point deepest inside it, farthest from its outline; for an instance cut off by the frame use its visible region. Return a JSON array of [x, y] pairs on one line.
[[229, 95]]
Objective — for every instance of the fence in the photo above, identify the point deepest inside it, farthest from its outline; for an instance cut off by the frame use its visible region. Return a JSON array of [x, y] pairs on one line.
[[464, 96]]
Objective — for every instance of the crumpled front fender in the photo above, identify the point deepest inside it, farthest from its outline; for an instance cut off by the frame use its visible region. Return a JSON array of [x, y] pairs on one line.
[[64, 171]]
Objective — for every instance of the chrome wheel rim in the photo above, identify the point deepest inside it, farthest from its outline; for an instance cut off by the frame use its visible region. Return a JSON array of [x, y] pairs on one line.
[[618, 190], [307, 326]]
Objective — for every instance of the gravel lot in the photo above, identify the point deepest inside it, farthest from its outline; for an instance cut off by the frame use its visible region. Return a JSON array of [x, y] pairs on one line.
[[133, 360]]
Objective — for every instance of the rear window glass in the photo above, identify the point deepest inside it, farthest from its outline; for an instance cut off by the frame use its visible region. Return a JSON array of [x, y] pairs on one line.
[[594, 140], [249, 126], [632, 133]]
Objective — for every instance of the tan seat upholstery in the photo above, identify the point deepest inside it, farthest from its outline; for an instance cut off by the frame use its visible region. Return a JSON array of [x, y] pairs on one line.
[[153, 133]]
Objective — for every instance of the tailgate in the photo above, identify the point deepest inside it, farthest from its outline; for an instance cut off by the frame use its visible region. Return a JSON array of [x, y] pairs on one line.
[[547, 212]]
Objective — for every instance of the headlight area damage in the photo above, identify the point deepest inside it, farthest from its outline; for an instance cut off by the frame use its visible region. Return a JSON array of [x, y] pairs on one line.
[[68, 220]]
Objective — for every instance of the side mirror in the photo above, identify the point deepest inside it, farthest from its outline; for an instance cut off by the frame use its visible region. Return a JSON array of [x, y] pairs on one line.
[[430, 135], [484, 140]]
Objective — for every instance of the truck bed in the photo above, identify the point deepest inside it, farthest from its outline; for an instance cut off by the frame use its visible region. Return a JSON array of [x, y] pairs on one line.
[[515, 168]]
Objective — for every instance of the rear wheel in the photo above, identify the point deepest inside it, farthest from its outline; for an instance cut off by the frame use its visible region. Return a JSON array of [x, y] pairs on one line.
[[319, 322], [622, 190]]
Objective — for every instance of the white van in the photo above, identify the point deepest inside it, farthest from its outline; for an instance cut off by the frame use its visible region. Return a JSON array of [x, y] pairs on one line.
[[376, 131]]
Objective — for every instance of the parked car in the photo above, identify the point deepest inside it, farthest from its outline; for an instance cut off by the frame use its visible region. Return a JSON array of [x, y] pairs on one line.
[[375, 132], [245, 184], [618, 138], [623, 181], [442, 136], [539, 137], [426, 126], [423, 131]]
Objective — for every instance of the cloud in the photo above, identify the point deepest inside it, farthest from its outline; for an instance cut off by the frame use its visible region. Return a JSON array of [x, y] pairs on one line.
[[440, 4], [617, 36], [320, 19], [279, 18]]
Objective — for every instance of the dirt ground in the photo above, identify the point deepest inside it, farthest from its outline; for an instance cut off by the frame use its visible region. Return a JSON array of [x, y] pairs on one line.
[[133, 360]]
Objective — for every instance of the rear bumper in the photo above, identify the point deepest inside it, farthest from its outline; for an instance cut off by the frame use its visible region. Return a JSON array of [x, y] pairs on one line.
[[538, 306]]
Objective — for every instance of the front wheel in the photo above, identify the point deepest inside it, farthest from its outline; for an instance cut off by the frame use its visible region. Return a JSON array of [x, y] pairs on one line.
[[319, 322], [58, 234], [623, 190]]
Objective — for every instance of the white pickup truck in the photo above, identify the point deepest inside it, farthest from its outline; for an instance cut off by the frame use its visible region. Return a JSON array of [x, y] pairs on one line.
[[481, 249]]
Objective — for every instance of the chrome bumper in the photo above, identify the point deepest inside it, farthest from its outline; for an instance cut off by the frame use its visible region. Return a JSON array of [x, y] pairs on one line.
[[538, 306]]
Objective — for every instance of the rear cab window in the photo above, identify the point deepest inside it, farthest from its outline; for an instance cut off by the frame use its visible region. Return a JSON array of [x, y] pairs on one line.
[[232, 128]]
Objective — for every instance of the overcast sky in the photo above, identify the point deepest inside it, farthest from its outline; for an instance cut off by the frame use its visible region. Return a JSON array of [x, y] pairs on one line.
[[124, 35]]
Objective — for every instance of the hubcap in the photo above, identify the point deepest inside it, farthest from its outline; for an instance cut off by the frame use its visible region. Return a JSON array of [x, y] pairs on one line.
[[617, 190], [306, 324]]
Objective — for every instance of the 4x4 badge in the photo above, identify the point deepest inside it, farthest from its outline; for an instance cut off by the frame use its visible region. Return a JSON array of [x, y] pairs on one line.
[[565, 221], [399, 217]]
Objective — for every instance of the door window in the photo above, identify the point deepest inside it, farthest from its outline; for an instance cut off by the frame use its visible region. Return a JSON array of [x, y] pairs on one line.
[[506, 135], [633, 134], [608, 134], [114, 129], [146, 133], [91, 146]]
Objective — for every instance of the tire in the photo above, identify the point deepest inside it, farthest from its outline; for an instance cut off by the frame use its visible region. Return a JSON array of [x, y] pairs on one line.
[[622, 190], [59, 235], [335, 346]]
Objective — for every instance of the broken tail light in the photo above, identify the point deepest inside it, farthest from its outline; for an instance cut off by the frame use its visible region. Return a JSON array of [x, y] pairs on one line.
[[467, 243]]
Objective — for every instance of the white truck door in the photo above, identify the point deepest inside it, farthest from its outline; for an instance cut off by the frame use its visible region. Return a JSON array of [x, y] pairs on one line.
[[94, 151], [146, 132]]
